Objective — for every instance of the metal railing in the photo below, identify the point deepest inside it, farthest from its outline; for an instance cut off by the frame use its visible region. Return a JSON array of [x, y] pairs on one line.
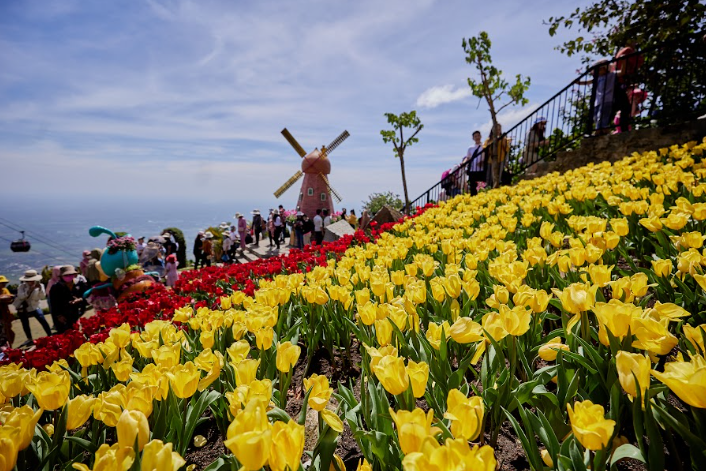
[[647, 88]]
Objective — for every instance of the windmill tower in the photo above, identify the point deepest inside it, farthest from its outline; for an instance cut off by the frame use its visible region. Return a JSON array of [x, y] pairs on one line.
[[316, 191]]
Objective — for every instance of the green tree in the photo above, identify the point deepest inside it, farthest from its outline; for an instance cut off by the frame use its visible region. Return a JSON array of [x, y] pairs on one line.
[[377, 200], [606, 25], [490, 85], [396, 137], [179, 238]]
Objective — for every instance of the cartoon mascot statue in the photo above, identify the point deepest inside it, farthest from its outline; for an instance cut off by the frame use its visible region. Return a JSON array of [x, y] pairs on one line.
[[119, 263]]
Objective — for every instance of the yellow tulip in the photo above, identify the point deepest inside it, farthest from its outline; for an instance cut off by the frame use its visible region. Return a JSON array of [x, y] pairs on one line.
[[332, 420], [88, 355], [287, 445], [662, 268], [320, 391], [695, 335], [466, 330], [9, 436], [391, 373], [80, 409], [13, 380], [652, 224], [434, 332], [120, 335], [669, 311], [465, 413], [110, 458], [184, 379], [589, 424], [109, 406], [51, 390], [631, 366], [167, 356], [383, 332], [206, 337], [377, 354], [548, 351], [363, 465], [238, 351], [264, 338], [133, 426], [413, 427], [653, 336], [616, 317], [577, 297], [600, 274], [24, 419], [246, 371], [249, 436], [156, 456], [686, 379], [418, 375], [367, 312], [287, 356]]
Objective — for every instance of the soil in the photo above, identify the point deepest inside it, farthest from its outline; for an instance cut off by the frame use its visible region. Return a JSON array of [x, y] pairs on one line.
[[509, 452], [204, 456]]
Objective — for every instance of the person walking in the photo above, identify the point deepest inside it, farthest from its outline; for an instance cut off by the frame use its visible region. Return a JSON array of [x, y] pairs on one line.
[[475, 163], [271, 227], [170, 270], [226, 247], [242, 230], [67, 300], [198, 249], [277, 222], [7, 336], [496, 150], [256, 226], [283, 217], [207, 249], [353, 219], [318, 227], [29, 293], [299, 230], [534, 141]]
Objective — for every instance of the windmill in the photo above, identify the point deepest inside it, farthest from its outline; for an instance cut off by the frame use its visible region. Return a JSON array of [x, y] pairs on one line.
[[316, 190]]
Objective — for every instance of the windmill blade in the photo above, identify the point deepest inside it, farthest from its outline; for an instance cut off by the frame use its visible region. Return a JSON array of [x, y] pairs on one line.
[[293, 142], [337, 142], [335, 194], [288, 184]]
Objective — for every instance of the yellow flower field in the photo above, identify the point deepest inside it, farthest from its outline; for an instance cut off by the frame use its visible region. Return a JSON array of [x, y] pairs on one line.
[[568, 309]]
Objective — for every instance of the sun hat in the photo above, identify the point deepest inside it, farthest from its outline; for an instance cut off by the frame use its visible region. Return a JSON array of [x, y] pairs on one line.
[[541, 119], [68, 270], [31, 275], [226, 233], [238, 215], [3, 279], [201, 233], [208, 235], [171, 258], [255, 211]]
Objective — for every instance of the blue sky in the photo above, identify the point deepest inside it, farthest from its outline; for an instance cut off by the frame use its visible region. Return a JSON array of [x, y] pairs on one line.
[[183, 101]]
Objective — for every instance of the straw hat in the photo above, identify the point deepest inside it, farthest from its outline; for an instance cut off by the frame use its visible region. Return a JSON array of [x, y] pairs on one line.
[[255, 211], [3, 279], [68, 270], [238, 215], [208, 235], [31, 275]]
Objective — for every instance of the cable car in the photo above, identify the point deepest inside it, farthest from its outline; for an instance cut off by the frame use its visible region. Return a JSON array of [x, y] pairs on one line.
[[21, 245]]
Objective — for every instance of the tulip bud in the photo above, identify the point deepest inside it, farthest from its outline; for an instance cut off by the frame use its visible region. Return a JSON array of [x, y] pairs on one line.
[[133, 425]]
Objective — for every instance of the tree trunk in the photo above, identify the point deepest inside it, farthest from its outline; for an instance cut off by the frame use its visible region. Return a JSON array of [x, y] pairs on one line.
[[404, 185]]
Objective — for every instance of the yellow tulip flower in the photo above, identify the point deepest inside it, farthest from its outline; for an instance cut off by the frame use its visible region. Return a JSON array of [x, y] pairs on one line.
[[51, 390], [466, 330], [131, 426], [246, 371], [589, 424], [110, 458], [418, 376], [287, 446], [413, 428], [686, 379], [392, 374], [120, 335], [653, 336], [158, 456], [548, 351], [662, 268], [24, 419], [80, 409], [184, 379], [695, 335], [383, 332], [630, 366], [320, 391], [332, 420], [249, 436], [238, 351], [109, 405], [465, 413], [9, 437]]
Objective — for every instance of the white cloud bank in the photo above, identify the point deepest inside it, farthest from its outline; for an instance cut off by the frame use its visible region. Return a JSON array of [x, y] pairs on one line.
[[442, 94]]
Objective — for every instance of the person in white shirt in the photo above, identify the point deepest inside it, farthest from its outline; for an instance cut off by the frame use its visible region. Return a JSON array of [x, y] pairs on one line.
[[278, 228], [475, 163], [29, 293], [226, 246], [318, 228], [327, 219]]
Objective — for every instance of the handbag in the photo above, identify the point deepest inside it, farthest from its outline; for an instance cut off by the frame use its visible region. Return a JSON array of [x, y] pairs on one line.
[[225, 258]]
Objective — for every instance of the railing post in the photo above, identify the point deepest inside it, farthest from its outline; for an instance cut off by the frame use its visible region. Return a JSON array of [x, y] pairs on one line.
[[592, 103]]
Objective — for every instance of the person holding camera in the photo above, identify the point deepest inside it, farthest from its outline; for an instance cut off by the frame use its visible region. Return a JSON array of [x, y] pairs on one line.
[[29, 293]]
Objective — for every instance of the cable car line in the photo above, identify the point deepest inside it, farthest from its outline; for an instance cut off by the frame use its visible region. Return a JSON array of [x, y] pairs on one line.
[[38, 238]]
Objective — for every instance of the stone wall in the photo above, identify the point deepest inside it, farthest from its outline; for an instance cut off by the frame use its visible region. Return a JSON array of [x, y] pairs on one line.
[[614, 147]]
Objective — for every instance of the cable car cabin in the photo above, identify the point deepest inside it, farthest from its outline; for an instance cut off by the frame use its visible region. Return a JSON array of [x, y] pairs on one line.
[[20, 245]]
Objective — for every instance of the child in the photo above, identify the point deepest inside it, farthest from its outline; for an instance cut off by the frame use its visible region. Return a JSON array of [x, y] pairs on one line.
[[170, 270]]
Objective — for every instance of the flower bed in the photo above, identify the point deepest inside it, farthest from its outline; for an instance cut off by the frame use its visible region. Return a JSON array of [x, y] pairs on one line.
[[564, 314]]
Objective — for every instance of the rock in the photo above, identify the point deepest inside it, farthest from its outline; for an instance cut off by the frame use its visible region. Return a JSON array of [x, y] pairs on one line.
[[337, 230], [387, 214]]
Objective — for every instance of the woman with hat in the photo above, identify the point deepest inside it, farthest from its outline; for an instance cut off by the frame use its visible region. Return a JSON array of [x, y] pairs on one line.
[[299, 230], [257, 226], [207, 249], [170, 271], [242, 229], [7, 336], [67, 299], [29, 293]]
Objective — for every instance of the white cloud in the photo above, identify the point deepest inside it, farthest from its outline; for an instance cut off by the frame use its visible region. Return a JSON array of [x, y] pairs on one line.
[[439, 95]]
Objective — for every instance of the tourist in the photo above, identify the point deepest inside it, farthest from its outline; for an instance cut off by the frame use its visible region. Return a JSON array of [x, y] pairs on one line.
[[198, 249], [207, 249], [170, 247], [83, 266], [308, 228], [140, 245], [170, 271], [7, 336], [234, 241], [93, 274], [277, 222], [626, 96], [475, 163], [256, 226], [226, 247], [535, 140], [604, 83], [271, 227], [67, 300], [299, 230], [496, 149], [327, 220], [318, 227], [344, 214], [450, 183], [282, 215], [352, 219], [242, 230], [29, 293]]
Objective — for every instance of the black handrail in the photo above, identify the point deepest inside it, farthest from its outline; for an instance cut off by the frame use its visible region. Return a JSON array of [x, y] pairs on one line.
[[647, 87]]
